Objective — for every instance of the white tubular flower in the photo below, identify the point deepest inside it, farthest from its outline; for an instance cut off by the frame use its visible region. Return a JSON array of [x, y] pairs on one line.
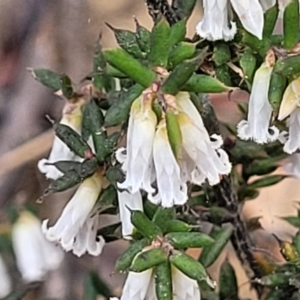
[[5, 281], [172, 190], [140, 135], [137, 285], [184, 288], [293, 142], [72, 117], [86, 240], [209, 163], [215, 22], [259, 110], [251, 15], [128, 201], [290, 105], [75, 219], [34, 254]]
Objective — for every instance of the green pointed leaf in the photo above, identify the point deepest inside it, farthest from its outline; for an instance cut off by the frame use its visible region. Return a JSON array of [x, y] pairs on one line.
[[210, 253], [163, 281], [147, 259], [228, 282], [266, 181], [183, 8], [127, 40], [277, 87], [163, 215], [100, 78], [176, 226], [143, 224], [63, 183], [131, 67], [189, 266], [177, 33], [221, 54], [291, 24], [182, 240], [248, 64], [270, 16], [200, 83], [223, 74], [262, 166], [66, 87], [174, 133], [83, 169], [180, 53], [118, 113], [182, 73], [287, 66], [159, 44], [125, 260], [73, 140], [48, 78], [143, 37]]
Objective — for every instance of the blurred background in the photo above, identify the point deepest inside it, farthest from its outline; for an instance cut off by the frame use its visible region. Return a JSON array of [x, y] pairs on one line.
[[60, 35]]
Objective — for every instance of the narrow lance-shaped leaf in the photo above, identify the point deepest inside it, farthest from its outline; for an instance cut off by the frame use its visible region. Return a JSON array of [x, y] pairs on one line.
[[125, 260], [48, 78], [182, 240], [163, 215], [182, 73], [228, 282], [177, 33], [100, 79], [143, 224], [276, 89], [126, 39], [291, 24], [73, 140], [190, 267], [143, 37], [128, 65], [174, 133], [223, 74], [176, 226], [266, 181], [270, 19], [163, 281], [200, 83], [83, 169], [63, 183], [147, 259], [118, 113], [287, 66], [211, 253], [180, 53], [248, 65], [159, 44]]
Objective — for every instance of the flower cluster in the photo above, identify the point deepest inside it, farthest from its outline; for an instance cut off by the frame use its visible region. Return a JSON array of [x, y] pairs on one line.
[[216, 25], [162, 159]]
